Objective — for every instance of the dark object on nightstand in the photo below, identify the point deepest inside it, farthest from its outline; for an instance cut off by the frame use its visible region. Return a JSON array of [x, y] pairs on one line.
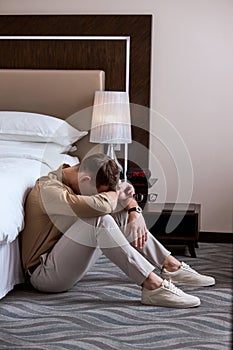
[[140, 179], [184, 223]]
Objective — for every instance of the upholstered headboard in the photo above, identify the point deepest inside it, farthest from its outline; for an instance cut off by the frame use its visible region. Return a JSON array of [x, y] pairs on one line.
[[66, 94], [56, 92]]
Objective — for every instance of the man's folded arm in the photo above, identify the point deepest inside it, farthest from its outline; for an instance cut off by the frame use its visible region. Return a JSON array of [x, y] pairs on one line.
[[59, 201]]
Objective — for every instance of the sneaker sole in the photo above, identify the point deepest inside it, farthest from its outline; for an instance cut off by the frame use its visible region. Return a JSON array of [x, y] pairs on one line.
[[172, 306]]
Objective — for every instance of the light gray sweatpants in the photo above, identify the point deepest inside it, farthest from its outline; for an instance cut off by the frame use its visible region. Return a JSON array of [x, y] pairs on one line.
[[84, 242]]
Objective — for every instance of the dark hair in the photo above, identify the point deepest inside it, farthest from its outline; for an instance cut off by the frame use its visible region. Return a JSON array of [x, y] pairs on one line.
[[103, 169]]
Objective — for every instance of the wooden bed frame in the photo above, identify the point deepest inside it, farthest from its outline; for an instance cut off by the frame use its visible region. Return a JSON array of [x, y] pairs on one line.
[[109, 56]]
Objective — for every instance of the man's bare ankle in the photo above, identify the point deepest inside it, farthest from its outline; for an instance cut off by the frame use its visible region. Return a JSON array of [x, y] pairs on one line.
[[152, 282], [171, 264]]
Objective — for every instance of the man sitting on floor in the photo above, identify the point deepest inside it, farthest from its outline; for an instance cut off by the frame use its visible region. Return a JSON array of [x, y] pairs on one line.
[[76, 213]]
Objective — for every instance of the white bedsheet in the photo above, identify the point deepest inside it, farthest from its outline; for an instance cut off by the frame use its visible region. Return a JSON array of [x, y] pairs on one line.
[[19, 169], [11, 272], [20, 166]]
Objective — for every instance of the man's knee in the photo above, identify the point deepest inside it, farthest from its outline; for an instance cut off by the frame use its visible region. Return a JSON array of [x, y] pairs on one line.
[[105, 218], [120, 218]]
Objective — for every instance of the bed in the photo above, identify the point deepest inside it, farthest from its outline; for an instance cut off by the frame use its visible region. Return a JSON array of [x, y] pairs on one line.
[[57, 76], [44, 125]]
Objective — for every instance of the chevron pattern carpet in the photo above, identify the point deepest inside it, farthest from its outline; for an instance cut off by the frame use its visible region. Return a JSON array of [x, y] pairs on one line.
[[103, 312]]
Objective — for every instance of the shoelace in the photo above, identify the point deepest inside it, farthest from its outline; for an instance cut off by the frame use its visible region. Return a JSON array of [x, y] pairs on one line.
[[188, 268], [167, 284]]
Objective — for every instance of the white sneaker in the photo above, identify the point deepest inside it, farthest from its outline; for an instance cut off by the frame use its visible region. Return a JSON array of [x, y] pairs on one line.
[[188, 276], [168, 295]]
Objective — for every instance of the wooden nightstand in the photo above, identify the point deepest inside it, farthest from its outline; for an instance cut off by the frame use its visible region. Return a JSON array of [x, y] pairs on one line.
[[184, 224]]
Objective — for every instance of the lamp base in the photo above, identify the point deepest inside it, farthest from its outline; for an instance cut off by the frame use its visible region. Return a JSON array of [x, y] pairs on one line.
[[111, 153]]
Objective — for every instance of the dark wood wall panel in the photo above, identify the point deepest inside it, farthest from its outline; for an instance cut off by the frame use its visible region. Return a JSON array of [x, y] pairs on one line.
[[58, 54], [106, 55]]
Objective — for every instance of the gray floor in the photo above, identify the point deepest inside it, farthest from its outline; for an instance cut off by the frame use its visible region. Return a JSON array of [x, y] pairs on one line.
[[103, 311]]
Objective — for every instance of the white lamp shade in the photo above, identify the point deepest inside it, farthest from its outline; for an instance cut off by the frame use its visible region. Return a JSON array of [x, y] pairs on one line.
[[111, 118]]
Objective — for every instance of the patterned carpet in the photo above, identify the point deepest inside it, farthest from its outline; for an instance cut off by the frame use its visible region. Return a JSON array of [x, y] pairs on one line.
[[103, 312]]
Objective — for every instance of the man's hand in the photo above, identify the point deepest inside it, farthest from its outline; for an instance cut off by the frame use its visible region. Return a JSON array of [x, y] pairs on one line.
[[136, 230], [125, 192]]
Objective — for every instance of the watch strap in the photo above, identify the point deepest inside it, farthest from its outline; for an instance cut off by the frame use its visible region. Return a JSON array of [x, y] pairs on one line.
[[137, 209]]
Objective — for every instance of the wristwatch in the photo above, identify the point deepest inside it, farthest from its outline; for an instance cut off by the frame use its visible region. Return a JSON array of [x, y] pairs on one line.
[[137, 209]]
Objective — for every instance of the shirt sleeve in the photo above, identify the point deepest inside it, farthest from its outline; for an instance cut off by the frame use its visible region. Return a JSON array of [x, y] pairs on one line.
[[57, 199]]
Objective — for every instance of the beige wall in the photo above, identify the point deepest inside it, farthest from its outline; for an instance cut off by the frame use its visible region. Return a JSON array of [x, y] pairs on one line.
[[192, 87]]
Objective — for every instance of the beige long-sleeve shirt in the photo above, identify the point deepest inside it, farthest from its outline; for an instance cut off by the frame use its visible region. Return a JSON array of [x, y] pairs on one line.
[[51, 208]]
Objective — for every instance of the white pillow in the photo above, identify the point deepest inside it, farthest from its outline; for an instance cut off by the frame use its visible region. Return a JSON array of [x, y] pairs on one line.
[[35, 127], [36, 146]]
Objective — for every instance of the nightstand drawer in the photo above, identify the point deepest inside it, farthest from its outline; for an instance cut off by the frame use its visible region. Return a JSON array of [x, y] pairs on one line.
[[180, 225], [177, 223]]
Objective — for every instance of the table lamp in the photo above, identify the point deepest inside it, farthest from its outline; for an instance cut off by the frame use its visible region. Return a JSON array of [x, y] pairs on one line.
[[111, 122]]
